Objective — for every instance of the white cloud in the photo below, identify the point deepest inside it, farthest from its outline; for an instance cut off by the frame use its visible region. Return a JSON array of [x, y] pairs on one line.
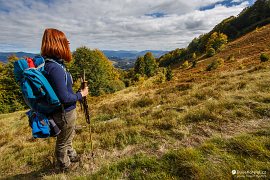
[[109, 24]]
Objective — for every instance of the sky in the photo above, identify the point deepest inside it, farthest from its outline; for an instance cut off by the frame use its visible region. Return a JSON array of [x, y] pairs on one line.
[[112, 24]]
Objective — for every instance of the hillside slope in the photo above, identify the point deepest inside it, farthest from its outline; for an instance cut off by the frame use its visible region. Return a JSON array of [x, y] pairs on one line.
[[246, 51], [201, 125], [233, 27]]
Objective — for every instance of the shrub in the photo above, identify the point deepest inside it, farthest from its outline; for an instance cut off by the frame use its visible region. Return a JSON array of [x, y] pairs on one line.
[[210, 52], [160, 77], [215, 64], [264, 57], [185, 65], [194, 63], [194, 56], [169, 74]]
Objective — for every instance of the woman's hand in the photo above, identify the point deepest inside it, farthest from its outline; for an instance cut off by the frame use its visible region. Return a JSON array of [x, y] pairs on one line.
[[84, 91]]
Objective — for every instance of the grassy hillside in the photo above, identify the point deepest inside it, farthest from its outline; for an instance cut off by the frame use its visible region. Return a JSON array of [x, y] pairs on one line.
[[201, 125]]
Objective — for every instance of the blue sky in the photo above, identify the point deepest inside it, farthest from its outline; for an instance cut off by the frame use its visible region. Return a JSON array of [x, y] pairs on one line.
[[226, 3], [112, 24]]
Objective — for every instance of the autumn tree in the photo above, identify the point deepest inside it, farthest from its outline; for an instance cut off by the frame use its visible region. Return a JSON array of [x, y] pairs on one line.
[[100, 73], [216, 41]]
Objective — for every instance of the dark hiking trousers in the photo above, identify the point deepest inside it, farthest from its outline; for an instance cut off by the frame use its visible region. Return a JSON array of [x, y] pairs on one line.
[[63, 149]]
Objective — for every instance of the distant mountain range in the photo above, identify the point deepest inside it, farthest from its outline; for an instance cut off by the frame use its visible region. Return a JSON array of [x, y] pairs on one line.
[[126, 59], [4, 55], [122, 59], [132, 54]]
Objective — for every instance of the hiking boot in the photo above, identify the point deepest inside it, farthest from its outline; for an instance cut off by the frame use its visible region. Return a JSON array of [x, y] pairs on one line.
[[71, 167]]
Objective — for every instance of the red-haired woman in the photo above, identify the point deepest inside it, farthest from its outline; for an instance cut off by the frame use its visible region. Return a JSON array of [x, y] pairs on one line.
[[55, 49]]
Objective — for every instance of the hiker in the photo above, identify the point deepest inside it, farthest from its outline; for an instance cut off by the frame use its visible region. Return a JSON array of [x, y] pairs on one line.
[[55, 50]]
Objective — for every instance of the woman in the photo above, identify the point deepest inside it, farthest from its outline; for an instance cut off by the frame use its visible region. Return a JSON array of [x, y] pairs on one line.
[[55, 49]]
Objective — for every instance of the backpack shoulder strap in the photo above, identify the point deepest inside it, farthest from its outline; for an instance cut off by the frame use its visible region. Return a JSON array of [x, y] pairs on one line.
[[51, 60], [39, 63], [62, 105]]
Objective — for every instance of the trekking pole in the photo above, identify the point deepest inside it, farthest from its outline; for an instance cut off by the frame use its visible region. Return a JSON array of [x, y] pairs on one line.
[[86, 112]]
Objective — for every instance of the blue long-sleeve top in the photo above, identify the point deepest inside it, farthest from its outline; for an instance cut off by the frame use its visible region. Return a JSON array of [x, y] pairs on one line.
[[62, 84]]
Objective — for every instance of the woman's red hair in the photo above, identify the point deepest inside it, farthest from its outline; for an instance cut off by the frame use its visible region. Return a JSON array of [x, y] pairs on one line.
[[55, 45]]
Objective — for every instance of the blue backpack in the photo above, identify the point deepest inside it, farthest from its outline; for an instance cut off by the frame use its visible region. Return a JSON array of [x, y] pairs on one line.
[[37, 93]]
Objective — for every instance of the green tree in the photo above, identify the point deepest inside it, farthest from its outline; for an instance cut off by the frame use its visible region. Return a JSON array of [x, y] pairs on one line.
[[139, 67], [150, 64], [100, 73], [193, 45]]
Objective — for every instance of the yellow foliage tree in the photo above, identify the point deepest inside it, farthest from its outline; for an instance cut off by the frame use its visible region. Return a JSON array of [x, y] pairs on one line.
[[216, 41]]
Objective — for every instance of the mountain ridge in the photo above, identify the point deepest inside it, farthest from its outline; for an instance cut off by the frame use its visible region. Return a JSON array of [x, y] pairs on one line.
[[120, 54]]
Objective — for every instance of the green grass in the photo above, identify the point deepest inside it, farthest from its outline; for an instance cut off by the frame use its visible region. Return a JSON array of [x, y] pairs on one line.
[[19, 152], [214, 159]]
